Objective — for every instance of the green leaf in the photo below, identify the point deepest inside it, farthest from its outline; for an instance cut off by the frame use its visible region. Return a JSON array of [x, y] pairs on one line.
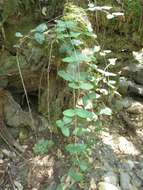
[[42, 146], [79, 131], [76, 176], [86, 86], [105, 111], [18, 35], [75, 34], [39, 37], [65, 131], [83, 113], [41, 28], [67, 120], [66, 24], [70, 59], [66, 48], [82, 164], [93, 96], [77, 58], [73, 85], [69, 113], [60, 123], [76, 148], [66, 76], [70, 24], [89, 97], [82, 76]]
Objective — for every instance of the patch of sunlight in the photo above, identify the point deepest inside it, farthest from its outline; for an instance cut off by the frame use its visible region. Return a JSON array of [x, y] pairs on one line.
[[138, 56], [119, 144]]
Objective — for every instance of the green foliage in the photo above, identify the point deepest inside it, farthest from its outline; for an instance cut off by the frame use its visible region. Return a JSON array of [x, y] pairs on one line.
[[76, 176], [83, 77], [74, 37], [133, 10], [18, 35], [41, 28], [43, 146], [76, 148], [39, 33], [39, 37]]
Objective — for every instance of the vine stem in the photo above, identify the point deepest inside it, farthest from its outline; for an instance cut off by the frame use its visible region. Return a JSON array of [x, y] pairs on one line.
[[48, 80], [25, 91]]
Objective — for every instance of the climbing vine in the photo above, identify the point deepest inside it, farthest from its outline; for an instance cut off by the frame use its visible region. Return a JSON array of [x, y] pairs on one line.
[[88, 83]]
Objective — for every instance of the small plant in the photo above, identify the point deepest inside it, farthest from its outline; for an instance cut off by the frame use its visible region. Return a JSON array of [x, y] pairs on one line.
[[42, 146]]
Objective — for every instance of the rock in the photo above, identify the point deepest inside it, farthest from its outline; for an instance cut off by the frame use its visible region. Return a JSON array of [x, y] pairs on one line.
[[125, 181], [133, 113], [15, 116], [135, 88], [106, 186], [18, 185], [106, 166], [136, 181], [99, 172], [1, 161], [140, 174], [126, 147], [92, 184], [123, 85], [135, 108], [111, 177], [128, 87], [128, 165], [138, 73], [128, 70], [127, 102], [141, 164], [134, 188], [135, 72], [9, 154]]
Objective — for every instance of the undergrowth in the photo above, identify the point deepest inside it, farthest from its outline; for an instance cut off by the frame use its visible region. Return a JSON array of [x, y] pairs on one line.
[[89, 84]]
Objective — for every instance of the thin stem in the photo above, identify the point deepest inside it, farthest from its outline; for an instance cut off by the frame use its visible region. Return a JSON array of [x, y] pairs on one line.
[[25, 91]]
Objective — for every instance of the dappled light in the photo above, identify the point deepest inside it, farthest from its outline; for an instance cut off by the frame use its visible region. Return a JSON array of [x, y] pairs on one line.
[[71, 95]]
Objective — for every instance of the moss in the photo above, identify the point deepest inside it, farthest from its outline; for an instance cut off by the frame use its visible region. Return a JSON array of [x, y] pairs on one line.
[[22, 25]]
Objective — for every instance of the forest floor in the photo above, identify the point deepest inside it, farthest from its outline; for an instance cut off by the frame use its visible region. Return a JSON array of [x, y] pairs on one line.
[[117, 159]]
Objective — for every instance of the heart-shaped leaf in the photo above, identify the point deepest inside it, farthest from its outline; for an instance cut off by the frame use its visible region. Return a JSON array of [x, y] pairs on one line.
[[69, 113]]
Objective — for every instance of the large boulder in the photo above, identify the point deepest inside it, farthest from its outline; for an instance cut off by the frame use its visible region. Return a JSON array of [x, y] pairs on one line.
[[134, 72], [133, 113]]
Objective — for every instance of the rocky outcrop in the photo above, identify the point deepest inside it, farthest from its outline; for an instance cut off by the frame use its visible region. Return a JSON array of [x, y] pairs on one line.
[[131, 87], [132, 79], [118, 162]]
